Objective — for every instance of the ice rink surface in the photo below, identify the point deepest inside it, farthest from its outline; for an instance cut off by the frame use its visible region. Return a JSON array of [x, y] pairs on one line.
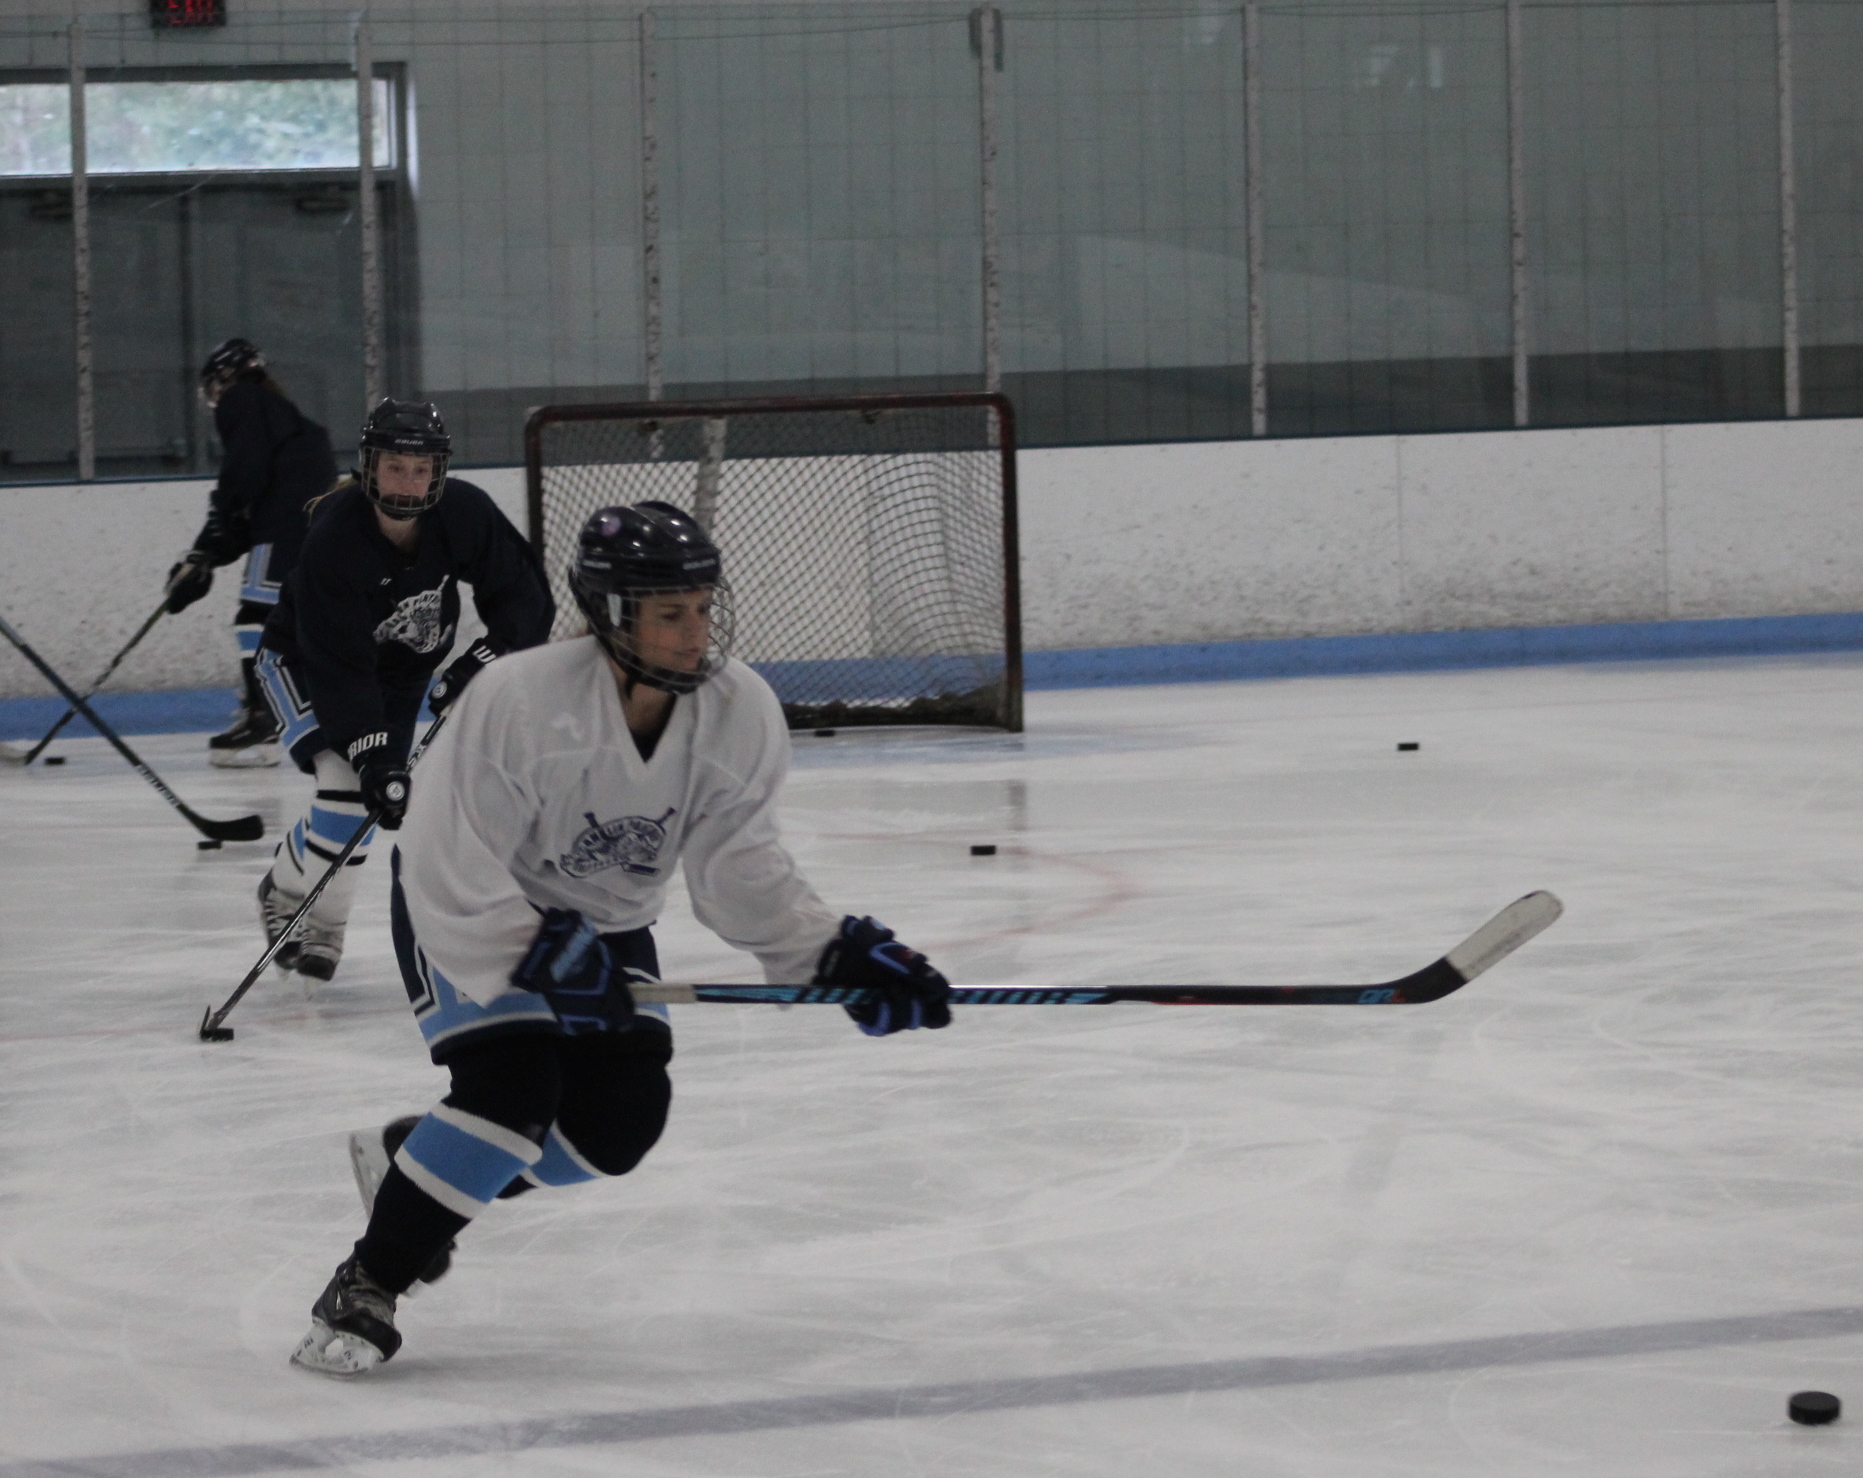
[[1599, 1213]]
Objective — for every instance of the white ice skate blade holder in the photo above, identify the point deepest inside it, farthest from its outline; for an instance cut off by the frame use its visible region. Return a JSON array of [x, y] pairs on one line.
[[327, 1352], [368, 1161]]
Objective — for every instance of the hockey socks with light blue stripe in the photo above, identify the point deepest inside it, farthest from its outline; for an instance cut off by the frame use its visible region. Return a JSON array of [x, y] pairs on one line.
[[450, 1168]]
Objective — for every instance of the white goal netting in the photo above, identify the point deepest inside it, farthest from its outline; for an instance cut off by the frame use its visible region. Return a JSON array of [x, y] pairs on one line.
[[869, 541]]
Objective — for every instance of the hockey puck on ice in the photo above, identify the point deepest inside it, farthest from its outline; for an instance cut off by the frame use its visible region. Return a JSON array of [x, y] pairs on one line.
[[218, 1034], [1814, 1408], [983, 849], [54, 759], [1407, 746], [212, 844], [824, 733]]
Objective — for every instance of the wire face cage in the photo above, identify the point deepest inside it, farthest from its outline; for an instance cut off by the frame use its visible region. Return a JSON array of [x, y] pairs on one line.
[[870, 541]]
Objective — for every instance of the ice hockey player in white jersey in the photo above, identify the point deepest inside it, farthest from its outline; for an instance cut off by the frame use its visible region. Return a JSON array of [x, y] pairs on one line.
[[569, 782]]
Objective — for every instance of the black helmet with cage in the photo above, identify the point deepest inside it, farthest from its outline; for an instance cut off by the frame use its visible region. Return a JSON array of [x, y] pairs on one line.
[[408, 428], [236, 359], [626, 554]]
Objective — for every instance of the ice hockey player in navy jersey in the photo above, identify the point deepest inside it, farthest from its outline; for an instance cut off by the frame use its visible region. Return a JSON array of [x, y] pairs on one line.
[[361, 626], [274, 461], [548, 818]]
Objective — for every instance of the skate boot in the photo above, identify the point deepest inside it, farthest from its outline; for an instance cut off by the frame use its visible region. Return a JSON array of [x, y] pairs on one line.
[[320, 948], [352, 1326], [252, 741], [250, 744], [371, 1152], [275, 910]]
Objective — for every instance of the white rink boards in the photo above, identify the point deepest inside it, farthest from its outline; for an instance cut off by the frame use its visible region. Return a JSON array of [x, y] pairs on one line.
[[1600, 1212]]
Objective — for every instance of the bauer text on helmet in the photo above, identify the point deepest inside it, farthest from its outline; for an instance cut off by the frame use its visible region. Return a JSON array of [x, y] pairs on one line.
[[403, 457]]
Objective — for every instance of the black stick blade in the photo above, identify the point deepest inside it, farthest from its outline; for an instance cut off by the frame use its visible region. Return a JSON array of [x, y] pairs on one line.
[[239, 829], [212, 1033]]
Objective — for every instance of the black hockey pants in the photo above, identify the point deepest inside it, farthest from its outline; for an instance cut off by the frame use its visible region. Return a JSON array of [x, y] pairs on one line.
[[524, 1110]]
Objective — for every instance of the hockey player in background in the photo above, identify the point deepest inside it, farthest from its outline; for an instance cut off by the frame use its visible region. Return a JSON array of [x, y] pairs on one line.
[[274, 460], [361, 626], [549, 815]]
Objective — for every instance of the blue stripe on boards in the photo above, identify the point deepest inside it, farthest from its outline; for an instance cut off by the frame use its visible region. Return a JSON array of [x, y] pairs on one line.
[[1425, 651], [464, 1161], [204, 710], [186, 711]]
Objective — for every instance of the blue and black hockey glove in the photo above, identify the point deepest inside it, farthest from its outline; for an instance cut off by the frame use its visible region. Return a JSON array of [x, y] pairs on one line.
[[382, 778], [568, 965], [905, 991], [459, 672]]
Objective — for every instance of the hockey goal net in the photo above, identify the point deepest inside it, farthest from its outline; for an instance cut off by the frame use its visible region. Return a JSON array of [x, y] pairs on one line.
[[870, 541]]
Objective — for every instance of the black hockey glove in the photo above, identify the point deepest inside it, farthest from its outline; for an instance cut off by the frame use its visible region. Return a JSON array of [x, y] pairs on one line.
[[189, 578], [382, 779], [461, 671], [906, 992], [568, 965], [222, 539]]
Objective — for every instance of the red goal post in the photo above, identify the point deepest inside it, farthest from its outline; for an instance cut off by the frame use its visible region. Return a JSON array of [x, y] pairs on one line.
[[870, 540]]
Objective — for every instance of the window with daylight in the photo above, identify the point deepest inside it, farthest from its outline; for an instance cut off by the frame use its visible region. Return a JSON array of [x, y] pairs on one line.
[[172, 127]]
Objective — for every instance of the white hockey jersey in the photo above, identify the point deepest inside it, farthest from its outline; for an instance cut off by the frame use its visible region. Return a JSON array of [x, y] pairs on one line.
[[534, 796]]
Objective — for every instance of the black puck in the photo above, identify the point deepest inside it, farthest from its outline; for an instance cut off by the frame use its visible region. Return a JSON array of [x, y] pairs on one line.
[[1407, 746], [983, 849], [824, 733], [212, 844], [218, 1034], [1814, 1408], [54, 759]]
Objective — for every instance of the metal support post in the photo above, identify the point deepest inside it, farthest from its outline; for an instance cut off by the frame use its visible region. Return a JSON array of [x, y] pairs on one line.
[[650, 205], [372, 380], [1251, 189], [81, 262], [1788, 214], [1517, 212], [986, 39]]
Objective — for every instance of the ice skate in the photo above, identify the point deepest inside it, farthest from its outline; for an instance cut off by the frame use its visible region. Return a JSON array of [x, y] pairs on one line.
[[352, 1326], [320, 948], [250, 743], [275, 909], [371, 1151]]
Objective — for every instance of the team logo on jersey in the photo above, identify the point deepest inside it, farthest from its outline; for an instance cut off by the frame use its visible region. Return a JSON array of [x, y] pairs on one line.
[[631, 843], [415, 623]]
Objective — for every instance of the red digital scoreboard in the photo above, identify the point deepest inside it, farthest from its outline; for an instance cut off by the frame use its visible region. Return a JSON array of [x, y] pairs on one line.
[[175, 15]]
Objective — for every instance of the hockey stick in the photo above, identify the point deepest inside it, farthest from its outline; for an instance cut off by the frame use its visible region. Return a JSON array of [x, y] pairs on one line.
[[240, 829], [211, 1028], [12, 754], [1493, 942]]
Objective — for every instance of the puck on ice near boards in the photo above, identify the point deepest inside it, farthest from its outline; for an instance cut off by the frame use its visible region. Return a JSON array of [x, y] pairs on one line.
[[983, 849], [1814, 1408]]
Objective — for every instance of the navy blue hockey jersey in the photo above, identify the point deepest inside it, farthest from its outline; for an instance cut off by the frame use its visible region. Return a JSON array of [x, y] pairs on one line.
[[363, 626], [274, 460]]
